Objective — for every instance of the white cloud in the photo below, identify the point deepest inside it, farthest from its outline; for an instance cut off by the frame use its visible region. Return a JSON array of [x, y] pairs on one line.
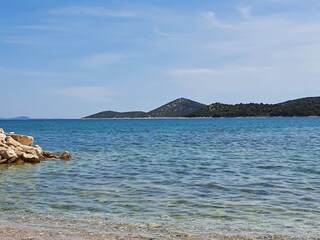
[[228, 72], [193, 72], [164, 34], [33, 74], [211, 20], [94, 12], [102, 60], [245, 11], [91, 93], [43, 27]]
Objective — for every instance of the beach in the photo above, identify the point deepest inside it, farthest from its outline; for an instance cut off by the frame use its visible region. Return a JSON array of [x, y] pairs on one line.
[[119, 232]]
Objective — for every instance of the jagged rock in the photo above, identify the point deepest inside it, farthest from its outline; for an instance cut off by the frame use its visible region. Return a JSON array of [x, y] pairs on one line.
[[18, 149], [38, 149], [13, 160], [24, 140], [3, 161], [19, 162], [10, 141], [65, 156], [3, 145], [50, 155], [7, 153], [2, 137], [29, 157]]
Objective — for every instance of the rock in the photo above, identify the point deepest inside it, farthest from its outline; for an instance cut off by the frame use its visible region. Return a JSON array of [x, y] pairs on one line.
[[19, 149], [19, 162], [10, 141], [24, 140], [13, 160], [50, 155], [65, 156], [38, 149], [31, 158], [2, 137], [7, 153], [153, 225], [3, 145], [3, 161]]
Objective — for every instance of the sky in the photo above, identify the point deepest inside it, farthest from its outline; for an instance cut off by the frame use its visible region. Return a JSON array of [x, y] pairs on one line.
[[73, 58]]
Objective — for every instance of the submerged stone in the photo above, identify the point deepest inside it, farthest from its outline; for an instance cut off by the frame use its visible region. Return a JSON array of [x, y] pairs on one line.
[[66, 156]]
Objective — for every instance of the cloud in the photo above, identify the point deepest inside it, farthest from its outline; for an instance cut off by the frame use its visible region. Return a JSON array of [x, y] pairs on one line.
[[164, 34], [33, 74], [43, 27], [232, 72], [93, 12], [91, 93], [193, 72], [102, 60], [211, 20], [245, 11]]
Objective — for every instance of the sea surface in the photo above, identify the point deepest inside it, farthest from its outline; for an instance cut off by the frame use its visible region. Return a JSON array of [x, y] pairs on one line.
[[208, 177]]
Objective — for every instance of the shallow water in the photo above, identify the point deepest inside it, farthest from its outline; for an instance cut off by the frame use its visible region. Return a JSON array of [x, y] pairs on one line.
[[221, 176]]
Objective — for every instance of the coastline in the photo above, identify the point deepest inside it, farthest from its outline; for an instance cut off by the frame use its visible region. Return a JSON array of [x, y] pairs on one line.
[[164, 118], [67, 231]]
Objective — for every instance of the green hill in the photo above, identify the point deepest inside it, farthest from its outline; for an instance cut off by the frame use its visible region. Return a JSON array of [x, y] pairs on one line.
[[183, 107], [112, 114], [177, 108], [302, 107]]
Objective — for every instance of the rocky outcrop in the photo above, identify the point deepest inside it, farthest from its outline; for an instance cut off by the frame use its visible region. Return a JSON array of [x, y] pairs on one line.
[[65, 156], [25, 140], [19, 149]]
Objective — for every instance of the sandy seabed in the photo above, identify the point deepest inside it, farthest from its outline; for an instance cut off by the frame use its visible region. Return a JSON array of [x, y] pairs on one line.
[[14, 231]]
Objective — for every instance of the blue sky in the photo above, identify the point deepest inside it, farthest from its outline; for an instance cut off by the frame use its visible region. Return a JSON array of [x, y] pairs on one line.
[[73, 58]]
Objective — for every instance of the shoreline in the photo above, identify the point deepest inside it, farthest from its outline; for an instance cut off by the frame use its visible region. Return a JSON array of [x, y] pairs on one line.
[[155, 118], [39, 226], [13, 231]]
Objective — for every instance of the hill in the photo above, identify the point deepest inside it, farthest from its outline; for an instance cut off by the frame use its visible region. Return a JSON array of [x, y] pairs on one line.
[[302, 107], [16, 118], [112, 114], [177, 108], [182, 107]]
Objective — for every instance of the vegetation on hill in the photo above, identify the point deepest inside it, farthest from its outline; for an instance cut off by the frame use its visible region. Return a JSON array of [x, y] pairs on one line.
[[183, 107], [177, 108], [299, 108], [112, 114]]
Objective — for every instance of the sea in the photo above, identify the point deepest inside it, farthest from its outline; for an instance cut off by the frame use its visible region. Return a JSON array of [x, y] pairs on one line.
[[250, 177]]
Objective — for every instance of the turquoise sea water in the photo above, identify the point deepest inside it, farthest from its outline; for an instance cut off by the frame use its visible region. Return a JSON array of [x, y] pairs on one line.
[[250, 176]]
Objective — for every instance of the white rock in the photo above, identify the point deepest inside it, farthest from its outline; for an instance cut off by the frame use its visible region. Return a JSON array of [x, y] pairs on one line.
[[7, 153], [25, 140], [10, 141], [29, 157]]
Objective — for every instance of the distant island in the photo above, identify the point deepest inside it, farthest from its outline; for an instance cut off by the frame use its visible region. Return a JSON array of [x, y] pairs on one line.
[[182, 107], [16, 118]]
